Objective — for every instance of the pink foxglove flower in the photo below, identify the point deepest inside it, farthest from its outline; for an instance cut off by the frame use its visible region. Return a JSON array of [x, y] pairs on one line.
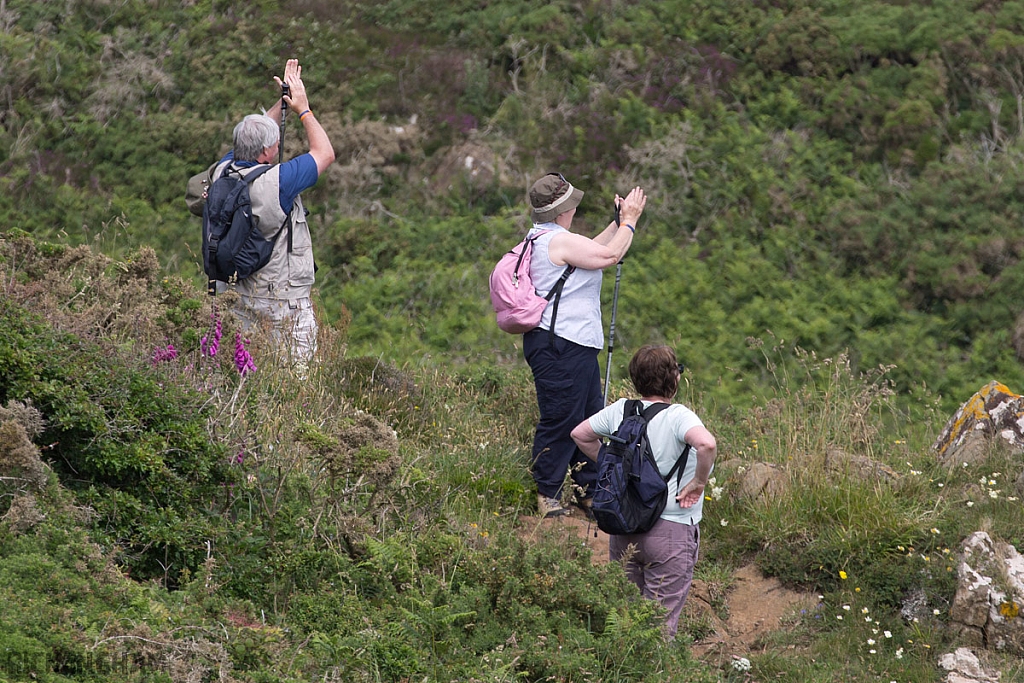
[[161, 355], [243, 361], [209, 347]]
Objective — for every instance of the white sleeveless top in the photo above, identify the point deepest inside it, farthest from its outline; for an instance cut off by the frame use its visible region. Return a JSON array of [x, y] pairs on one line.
[[579, 310]]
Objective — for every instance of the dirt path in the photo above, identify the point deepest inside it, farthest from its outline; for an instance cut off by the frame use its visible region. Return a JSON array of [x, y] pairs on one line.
[[754, 605]]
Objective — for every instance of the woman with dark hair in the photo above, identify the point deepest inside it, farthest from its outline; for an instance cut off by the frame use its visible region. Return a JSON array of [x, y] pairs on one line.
[[562, 350], [664, 557]]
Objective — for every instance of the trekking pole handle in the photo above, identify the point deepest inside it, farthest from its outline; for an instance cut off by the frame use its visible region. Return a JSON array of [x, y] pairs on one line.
[[618, 207], [286, 91]]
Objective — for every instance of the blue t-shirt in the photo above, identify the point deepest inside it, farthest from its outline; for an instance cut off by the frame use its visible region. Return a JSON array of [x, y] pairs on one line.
[[297, 174]]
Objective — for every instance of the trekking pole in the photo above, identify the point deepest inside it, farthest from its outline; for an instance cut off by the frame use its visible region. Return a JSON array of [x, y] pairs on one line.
[[285, 92], [611, 327], [611, 332]]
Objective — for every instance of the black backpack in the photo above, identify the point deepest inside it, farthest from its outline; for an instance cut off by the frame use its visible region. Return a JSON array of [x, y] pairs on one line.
[[631, 494], [233, 246]]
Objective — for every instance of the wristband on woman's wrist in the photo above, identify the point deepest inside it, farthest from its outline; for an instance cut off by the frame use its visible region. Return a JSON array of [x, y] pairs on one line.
[[303, 114], [631, 228]]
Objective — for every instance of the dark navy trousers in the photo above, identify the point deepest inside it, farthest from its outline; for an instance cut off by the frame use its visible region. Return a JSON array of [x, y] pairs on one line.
[[568, 382]]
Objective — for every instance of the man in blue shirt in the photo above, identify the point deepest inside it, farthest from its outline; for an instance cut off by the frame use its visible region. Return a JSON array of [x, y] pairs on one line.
[[281, 291]]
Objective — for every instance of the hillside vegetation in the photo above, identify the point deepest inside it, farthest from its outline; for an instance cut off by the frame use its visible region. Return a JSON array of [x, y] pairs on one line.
[[843, 175], [164, 517], [832, 245]]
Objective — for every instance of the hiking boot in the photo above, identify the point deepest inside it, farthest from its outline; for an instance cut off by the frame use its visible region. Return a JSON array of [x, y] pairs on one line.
[[550, 507]]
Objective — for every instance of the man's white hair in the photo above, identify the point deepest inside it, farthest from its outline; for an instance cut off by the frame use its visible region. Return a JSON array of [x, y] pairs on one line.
[[253, 134]]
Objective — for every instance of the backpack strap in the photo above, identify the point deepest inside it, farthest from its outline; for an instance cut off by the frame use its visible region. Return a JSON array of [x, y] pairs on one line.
[[527, 243], [249, 178], [556, 291], [650, 411], [680, 465]]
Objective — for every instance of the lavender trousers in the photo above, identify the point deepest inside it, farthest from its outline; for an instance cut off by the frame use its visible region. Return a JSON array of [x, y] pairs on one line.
[[660, 563]]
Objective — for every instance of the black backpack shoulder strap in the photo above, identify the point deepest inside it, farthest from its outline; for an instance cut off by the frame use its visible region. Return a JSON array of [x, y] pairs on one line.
[[631, 407], [680, 465], [221, 169], [527, 243], [556, 291], [253, 175], [653, 409], [677, 469]]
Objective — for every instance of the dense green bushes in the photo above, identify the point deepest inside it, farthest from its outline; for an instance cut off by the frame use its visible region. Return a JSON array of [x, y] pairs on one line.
[[131, 441]]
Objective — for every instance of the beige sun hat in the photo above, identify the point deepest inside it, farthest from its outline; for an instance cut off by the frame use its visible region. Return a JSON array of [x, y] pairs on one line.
[[552, 196]]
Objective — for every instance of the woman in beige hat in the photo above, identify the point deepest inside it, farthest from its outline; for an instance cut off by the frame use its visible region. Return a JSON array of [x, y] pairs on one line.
[[562, 350]]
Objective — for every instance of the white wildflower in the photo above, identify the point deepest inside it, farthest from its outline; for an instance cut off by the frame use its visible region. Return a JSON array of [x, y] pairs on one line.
[[740, 664]]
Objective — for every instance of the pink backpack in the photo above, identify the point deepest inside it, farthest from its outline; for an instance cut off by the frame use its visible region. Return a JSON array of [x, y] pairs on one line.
[[515, 301]]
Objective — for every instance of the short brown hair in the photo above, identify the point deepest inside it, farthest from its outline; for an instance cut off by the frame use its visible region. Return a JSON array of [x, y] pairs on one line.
[[655, 371]]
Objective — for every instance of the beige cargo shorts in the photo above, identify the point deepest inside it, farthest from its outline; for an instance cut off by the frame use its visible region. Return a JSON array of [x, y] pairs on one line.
[[291, 322]]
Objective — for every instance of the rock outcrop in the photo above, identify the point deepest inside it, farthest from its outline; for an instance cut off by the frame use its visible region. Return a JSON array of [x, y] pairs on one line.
[[965, 667], [756, 480], [993, 411], [987, 608]]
